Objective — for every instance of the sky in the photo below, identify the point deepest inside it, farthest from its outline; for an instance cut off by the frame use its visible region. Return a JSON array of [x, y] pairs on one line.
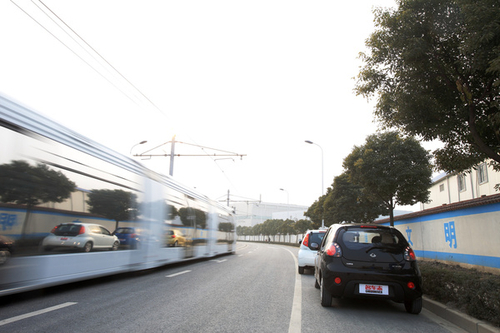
[[253, 78]]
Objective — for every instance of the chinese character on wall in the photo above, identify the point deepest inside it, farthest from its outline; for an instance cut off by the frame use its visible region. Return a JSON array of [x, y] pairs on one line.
[[449, 234]]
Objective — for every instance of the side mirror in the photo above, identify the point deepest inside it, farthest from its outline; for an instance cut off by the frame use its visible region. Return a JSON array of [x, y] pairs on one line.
[[300, 241], [314, 246]]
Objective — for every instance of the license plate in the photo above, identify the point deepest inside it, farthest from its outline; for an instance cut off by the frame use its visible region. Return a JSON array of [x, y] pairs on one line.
[[374, 289], [64, 238]]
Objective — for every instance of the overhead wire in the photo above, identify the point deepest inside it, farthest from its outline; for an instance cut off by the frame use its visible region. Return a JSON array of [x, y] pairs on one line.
[[101, 57], [79, 40], [73, 51]]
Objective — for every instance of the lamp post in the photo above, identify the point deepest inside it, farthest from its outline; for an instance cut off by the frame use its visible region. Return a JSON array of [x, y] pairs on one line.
[[287, 202], [322, 176], [140, 143]]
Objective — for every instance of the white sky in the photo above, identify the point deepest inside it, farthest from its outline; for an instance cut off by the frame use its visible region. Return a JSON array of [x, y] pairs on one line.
[[252, 77]]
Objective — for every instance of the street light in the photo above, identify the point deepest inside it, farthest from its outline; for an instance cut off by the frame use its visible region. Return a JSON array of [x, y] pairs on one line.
[[140, 143], [322, 175], [287, 202]]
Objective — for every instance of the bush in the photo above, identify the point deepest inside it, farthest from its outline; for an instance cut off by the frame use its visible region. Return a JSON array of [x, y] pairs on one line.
[[469, 290]]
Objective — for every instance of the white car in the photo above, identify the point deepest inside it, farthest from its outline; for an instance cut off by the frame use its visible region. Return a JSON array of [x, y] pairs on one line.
[[308, 248], [82, 236]]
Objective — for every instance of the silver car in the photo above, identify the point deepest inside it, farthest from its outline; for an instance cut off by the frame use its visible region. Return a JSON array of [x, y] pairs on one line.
[[82, 236]]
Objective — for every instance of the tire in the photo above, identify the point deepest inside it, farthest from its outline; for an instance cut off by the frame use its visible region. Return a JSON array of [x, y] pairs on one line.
[[175, 244], [326, 298], [116, 244], [43, 249], [414, 306], [87, 247], [301, 270]]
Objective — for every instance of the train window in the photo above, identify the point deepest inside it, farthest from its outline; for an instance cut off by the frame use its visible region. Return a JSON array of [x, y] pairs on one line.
[[46, 182], [225, 228]]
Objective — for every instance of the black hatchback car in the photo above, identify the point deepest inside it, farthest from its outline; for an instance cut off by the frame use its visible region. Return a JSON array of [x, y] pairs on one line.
[[368, 261]]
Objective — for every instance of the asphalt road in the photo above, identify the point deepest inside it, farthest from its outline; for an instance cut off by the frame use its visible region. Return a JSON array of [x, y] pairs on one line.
[[257, 289]]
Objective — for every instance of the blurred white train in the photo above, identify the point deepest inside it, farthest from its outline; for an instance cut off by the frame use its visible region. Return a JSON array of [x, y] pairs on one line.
[[51, 175]]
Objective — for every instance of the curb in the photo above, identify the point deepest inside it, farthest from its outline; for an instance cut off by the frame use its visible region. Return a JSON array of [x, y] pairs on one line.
[[462, 320]]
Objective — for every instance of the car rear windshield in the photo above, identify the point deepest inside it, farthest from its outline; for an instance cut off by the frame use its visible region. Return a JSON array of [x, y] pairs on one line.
[[124, 231], [316, 237], [67, 230], [356, 238]]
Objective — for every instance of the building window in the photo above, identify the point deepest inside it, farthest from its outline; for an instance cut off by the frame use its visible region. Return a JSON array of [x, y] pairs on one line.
[[461, 182], [441, 188], [482, 173]]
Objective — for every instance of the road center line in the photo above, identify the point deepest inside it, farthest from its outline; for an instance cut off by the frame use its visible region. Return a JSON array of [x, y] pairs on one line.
[[36, 313], [296, 317], [180, 273]]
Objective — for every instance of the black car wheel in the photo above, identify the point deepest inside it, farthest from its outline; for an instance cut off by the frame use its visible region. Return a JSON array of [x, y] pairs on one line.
[[301, 270], [414, 306], [326, 298], [87, 247], [116, 244]]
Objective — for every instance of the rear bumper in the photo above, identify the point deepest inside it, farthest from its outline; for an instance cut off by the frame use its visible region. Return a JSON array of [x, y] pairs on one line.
[[397, 283]]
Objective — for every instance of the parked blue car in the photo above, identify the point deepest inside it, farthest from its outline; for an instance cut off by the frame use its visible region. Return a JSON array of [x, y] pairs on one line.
[[128, 236]]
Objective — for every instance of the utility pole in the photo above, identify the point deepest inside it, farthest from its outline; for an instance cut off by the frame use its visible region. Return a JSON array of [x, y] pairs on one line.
[[172, 153]]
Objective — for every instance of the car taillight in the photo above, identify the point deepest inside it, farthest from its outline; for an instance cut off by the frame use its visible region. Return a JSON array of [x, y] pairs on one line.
[[305, 242], [54, 229], [410, 285], [82, 230], [173, 236], [334, 251], [409, 254]]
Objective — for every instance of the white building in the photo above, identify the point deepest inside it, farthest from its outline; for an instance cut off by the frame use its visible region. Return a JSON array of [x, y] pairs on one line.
[[250, 213], [451, 188]]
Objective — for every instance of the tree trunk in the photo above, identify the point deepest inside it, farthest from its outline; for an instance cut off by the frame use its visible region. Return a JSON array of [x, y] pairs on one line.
[[391, 213]]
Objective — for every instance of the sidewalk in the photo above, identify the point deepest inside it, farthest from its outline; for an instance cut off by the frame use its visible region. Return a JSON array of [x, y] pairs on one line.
[[466, 322]]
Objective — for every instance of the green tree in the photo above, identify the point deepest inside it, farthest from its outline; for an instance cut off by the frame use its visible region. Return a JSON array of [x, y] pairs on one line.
[[435, 67], [243, 230], [286, 227], [346, 201], [28, 185], [301, 226], [117, 205], [315, 213], [193, 217], [391, 170]]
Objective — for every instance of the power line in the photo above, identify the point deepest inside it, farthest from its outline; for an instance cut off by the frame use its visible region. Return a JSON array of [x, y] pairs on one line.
[[66, 29], [101, 57], [68, 47]]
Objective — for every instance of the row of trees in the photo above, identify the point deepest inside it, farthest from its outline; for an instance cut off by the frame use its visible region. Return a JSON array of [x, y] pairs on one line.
[[386, 171], [275, 227]]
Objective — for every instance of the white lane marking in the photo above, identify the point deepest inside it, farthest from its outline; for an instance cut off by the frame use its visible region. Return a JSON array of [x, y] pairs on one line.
[[219, 261], [36, 313], [180, 273], [296, 317]]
